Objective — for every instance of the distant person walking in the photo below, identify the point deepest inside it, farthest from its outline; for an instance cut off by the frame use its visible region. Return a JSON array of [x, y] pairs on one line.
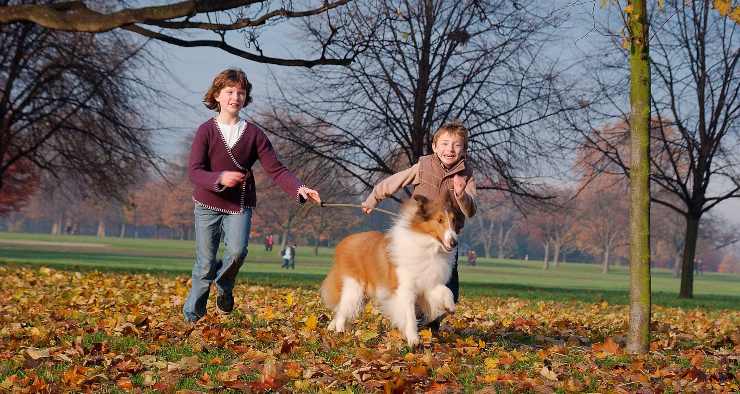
[[221, 157], [288, 256], [472, 257], [270, 242]]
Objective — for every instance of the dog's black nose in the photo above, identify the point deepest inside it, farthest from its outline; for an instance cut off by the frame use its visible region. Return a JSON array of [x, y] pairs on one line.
[[453, 243]]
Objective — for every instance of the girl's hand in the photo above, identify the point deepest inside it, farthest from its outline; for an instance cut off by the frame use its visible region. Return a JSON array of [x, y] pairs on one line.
[[309, 194], [366, 210], [231, 178], [459, 183]]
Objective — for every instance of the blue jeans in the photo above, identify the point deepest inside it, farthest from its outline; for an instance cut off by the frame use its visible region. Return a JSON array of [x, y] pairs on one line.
[[210, 227]]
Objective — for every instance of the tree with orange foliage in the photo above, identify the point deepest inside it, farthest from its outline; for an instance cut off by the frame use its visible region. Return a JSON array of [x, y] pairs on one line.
[[602, 226], [18, 187], [553, 224], [730, 264]]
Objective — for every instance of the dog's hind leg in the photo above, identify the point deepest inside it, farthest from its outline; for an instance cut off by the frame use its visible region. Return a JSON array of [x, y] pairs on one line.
[[350, 303]]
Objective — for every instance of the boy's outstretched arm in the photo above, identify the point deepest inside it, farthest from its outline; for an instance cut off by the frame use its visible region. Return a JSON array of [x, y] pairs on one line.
[[390, 185]]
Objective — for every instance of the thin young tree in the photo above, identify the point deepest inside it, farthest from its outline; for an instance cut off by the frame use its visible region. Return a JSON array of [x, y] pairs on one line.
[[638, 339]]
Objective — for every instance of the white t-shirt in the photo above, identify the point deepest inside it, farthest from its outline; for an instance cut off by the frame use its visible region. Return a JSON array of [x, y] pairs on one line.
[[231, 134]]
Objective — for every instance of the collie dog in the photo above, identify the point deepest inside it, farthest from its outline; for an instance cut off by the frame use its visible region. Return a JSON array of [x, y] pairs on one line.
[[405, 270]]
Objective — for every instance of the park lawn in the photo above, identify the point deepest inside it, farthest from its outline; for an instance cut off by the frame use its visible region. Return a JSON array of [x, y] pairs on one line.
[[69, 331], [491, 277]]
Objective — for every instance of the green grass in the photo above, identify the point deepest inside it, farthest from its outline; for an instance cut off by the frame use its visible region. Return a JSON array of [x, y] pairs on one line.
[[492, 277]]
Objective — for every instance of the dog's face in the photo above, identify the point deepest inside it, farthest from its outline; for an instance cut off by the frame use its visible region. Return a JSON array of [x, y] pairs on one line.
[[436, 219]]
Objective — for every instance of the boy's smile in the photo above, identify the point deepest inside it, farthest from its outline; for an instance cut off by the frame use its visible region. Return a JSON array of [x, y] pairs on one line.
[[449, 148]]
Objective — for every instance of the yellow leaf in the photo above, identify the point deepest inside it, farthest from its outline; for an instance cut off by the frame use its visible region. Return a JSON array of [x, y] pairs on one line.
[[311, 322], [490, 363], [368, 335], [289, 299], [426, 335], [735, 16], [722, 6], [293, 370], [491, 377], [628, 10]]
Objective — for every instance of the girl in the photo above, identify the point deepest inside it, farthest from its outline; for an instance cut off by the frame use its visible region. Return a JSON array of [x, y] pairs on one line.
[[224, 149]]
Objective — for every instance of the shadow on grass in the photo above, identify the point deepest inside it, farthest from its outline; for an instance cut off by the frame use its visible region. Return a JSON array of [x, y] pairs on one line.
[[308, 280]]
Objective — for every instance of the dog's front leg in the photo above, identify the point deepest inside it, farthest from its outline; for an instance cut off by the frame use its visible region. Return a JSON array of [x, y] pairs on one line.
[[407, 323], [441, 301]]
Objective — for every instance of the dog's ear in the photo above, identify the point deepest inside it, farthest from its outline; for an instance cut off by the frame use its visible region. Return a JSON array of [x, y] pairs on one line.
[[422, 205]]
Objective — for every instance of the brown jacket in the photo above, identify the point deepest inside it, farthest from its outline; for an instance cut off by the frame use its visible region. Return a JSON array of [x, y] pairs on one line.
[[430, 179]]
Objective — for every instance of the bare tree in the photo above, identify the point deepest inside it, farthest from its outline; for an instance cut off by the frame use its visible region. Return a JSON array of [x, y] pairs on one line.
[[425, 63], [696, 110], [71, 105], [174, 22]]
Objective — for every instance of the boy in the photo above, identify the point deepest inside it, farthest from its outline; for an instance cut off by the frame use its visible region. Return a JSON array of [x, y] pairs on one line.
[[445, 171]]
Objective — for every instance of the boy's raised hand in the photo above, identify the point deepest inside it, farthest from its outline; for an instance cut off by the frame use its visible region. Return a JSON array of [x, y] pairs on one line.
[[459, 182]]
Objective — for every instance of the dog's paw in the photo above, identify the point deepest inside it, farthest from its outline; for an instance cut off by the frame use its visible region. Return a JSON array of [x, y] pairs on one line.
[[412, 340], [449, 302], [336, 326]]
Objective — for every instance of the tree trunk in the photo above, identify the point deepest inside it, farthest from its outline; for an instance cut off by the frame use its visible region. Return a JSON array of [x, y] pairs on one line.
[[284, 238], [605, 261], [545, 264], [556, 254], [638, 338], [677, 259], [56, 227], [500, 241], [316, 246], [101, 228], [122, 234], [689, 253]]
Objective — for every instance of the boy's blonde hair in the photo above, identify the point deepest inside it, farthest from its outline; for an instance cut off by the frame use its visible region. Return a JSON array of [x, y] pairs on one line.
[[227, 78], [454, 127]]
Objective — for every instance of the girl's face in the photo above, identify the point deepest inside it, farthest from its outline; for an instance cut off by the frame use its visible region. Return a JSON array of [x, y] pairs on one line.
[[231, 99], [449, 148]]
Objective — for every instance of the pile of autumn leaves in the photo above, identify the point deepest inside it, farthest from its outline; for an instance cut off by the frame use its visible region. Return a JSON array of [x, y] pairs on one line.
[[66, 331]]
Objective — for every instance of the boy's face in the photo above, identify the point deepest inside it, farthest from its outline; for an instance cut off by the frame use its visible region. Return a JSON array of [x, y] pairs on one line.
[[231, 99], [449, 148]]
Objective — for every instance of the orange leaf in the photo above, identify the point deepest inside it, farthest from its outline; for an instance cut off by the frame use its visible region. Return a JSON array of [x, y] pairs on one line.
[[125, 383]]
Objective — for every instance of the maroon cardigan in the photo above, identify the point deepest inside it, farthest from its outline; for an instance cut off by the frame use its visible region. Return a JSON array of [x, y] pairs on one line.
[[209, 156]]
